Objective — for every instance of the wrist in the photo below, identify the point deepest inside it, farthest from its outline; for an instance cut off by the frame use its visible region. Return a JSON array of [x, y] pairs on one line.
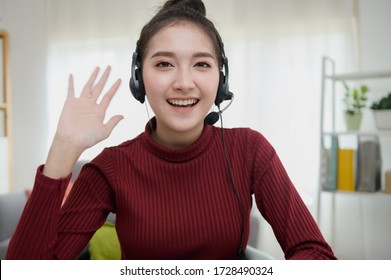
[[61, 158], [64, 145]]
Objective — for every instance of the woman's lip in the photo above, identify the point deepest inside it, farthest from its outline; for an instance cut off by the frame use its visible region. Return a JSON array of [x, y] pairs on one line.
[[183, 108]]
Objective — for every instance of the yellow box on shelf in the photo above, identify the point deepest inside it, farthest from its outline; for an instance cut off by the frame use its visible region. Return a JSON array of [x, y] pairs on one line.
[[346, 170]]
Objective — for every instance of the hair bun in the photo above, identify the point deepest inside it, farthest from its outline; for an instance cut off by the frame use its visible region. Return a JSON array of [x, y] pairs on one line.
[[196, 5]]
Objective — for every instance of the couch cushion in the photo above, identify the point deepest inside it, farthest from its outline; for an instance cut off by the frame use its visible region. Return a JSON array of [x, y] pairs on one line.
[[104, 244], [11, 207]]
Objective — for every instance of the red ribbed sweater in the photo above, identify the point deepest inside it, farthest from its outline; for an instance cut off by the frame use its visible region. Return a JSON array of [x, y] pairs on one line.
[[170, 204]]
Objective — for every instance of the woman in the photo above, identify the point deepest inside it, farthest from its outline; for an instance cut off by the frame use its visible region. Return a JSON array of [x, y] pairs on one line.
[[182, 189]]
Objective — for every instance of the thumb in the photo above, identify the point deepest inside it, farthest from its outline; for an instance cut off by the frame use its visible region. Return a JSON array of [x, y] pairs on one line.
[[113, 123]]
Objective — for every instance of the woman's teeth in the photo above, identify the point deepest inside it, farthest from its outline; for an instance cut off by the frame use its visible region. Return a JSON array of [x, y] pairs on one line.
[[182, 103]]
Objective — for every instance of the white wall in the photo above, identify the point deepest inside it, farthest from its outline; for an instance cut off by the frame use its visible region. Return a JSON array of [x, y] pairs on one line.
[[25, 23], [375, 41]]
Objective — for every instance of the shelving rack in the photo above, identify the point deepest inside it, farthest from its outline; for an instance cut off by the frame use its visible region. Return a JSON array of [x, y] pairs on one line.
[[334, 78]]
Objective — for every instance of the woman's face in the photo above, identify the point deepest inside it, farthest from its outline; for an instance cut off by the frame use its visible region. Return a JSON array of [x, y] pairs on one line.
[[181, 77]]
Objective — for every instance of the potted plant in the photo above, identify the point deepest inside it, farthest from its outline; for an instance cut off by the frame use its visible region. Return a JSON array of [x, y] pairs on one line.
[[382, 112], [355, 100]]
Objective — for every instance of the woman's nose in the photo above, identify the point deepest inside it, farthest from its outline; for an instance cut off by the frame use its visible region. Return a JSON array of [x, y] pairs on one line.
[[184, 80]]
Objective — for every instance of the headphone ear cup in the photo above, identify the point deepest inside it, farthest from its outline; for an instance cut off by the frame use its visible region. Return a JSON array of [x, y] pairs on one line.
[[222, 90], [136, 83]]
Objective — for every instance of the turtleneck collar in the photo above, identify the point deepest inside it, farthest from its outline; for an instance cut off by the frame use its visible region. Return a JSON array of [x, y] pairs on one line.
[[177, 155]]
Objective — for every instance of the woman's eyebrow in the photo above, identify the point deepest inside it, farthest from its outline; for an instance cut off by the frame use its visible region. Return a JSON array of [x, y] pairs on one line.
[[203, 54], [163, 53], [171, 54]]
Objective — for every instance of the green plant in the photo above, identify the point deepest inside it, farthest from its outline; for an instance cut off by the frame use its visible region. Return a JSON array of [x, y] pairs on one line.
[[355, 99], [383, 104]]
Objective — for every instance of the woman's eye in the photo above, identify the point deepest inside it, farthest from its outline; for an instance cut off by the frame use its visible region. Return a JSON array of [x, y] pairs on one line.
[[163, 64], [202, 64]]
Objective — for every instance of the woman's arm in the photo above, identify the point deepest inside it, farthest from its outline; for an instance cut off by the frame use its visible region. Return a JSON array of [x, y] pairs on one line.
[[281, 205], [45, 229]]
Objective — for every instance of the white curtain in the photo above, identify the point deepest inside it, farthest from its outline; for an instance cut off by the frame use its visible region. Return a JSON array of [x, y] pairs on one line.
[[274, 50]]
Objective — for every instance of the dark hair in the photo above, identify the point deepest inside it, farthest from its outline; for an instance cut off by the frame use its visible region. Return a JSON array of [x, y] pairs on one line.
[[180, 10]]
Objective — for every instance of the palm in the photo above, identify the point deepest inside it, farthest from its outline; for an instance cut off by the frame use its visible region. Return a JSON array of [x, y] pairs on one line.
[[81, 121]]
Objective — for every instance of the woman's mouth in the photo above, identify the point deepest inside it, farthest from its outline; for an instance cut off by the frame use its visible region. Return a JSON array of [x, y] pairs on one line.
[[182, 103]]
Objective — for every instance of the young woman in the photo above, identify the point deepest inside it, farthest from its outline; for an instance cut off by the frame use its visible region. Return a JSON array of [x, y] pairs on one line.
[[183, 188]]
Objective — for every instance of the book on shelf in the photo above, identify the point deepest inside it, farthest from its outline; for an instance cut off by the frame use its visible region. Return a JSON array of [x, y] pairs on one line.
[[330, 162], [368, 166], [351, 163], [346, 170]]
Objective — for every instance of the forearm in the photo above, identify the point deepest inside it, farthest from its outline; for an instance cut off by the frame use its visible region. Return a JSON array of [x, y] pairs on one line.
[[36, 230], [292, 223], [47, 230]]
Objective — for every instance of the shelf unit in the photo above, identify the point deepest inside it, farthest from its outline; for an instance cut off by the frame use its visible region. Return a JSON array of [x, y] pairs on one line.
[[329, 64], [5, 109]]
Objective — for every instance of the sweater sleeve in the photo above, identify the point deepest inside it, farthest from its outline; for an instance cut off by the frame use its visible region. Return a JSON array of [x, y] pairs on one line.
[[47, 230], [281, 205]]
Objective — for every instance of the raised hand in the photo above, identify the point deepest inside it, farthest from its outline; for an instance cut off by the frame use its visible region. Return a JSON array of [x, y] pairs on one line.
[[81, 124], [81, 121]]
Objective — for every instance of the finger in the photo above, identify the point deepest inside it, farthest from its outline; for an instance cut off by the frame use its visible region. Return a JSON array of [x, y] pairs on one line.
[[97, 90], [113, 123], [71, 89], [87, 90], [109, 95]]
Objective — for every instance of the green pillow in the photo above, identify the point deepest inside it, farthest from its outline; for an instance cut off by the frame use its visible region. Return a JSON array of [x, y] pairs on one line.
[[104, 244]]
